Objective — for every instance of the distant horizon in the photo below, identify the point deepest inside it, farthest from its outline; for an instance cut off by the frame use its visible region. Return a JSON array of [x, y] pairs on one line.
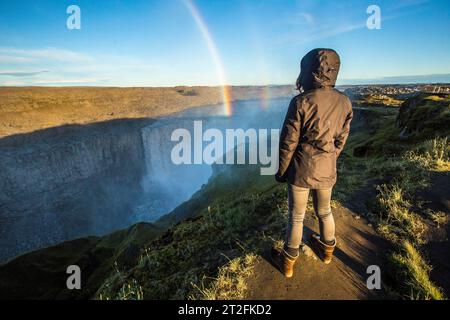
[[348, 82]]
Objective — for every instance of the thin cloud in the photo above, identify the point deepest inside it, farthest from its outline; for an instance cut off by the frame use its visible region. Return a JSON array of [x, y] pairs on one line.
[[330, 31], [21, 73], [322, 32], [35, 55], [301, 18], [14, 59], [68, 81], [309, 18], [318, 34], [298, 19], [407, 3], [11, 83], [333, 31], [33, 82], [72, 68]]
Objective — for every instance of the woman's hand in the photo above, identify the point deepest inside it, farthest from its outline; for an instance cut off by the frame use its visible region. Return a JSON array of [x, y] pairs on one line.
[[280, 179]]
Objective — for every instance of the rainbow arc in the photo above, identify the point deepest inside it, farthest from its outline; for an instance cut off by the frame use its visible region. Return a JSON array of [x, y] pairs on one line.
[[212, 48]]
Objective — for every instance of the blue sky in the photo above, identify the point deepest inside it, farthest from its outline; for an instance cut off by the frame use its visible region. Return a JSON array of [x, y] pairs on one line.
[[160, 43]]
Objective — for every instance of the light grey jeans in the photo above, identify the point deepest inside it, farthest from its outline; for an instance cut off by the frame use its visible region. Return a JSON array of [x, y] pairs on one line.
[[298, 200]]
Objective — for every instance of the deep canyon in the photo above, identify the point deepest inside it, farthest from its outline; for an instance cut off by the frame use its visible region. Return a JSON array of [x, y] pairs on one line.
[[72, 181]]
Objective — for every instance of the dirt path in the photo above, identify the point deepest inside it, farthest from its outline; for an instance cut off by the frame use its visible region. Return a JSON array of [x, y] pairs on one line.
[[345, 278]]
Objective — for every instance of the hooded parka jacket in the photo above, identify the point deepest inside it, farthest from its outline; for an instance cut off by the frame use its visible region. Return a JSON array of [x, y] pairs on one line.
[[316, 125]]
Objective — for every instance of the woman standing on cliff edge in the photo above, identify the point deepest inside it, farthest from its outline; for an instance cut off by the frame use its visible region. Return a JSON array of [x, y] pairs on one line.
[[314, 133]]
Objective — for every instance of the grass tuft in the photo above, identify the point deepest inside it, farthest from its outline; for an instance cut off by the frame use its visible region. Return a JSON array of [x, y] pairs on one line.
[[396, 214], [230, 283], [416, 271]]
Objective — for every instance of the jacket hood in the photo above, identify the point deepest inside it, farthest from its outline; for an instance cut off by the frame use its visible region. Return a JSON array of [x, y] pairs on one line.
[[319, 68]]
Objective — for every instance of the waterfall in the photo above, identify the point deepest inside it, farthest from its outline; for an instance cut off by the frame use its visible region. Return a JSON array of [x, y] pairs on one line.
[[165, 182]]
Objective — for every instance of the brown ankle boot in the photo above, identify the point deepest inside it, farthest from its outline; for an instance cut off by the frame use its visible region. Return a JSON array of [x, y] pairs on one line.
[[283, 261], [324, 251]]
